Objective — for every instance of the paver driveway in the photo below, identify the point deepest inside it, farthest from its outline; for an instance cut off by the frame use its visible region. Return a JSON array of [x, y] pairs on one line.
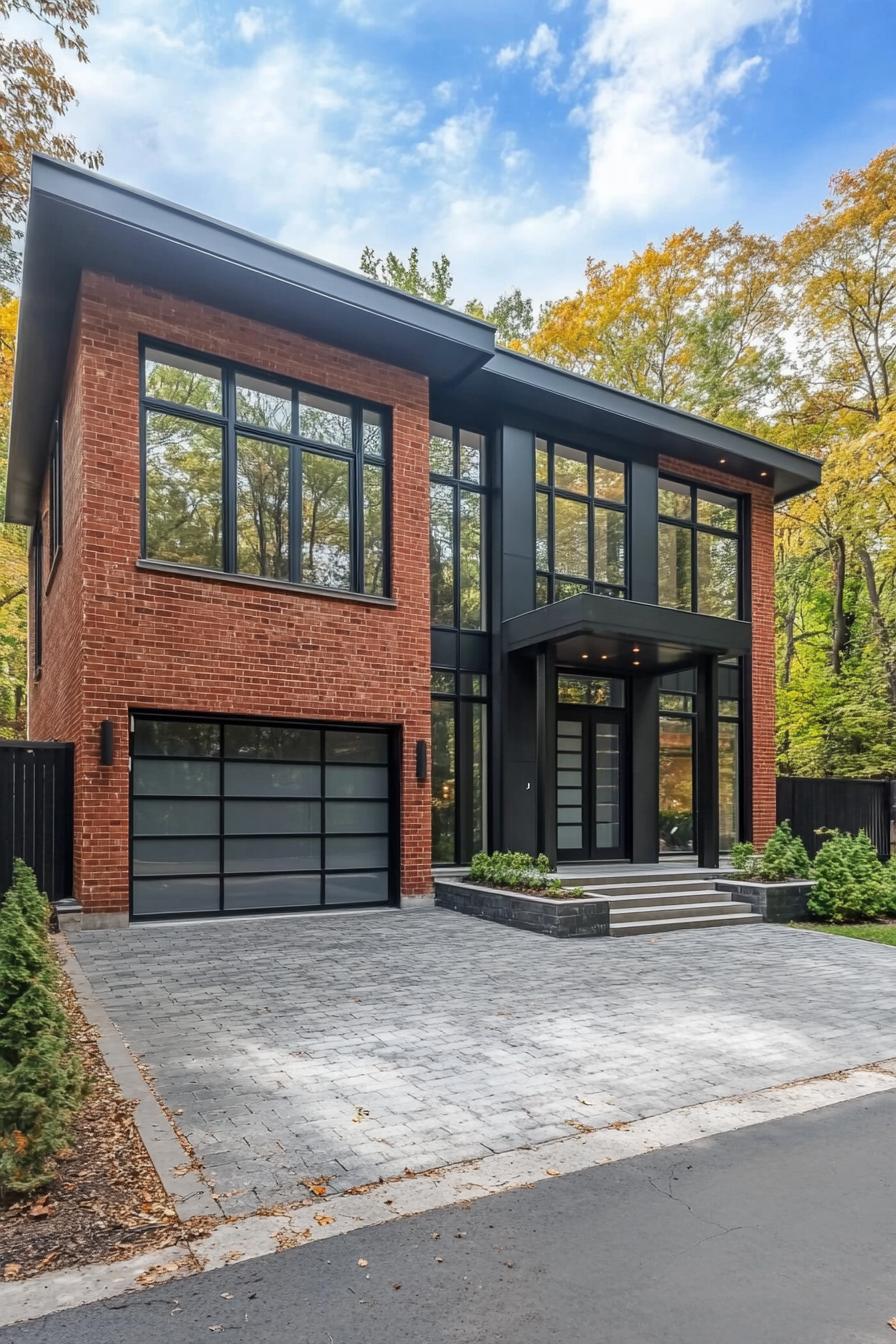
[[355, 1046]]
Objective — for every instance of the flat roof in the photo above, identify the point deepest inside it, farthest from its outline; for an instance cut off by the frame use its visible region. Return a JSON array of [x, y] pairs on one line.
[[80, 221]]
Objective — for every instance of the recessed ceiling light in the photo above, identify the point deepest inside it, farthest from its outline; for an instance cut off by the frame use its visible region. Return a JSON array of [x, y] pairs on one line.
[[722, 461], [636, 649], [763, 473], [635, 663], [584, 655], [604, 657]]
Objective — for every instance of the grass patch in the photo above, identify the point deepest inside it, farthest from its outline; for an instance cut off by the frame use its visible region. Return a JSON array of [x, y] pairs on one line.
[[871, 933]]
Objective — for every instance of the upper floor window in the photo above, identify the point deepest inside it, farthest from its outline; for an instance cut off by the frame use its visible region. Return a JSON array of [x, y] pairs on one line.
[[257, 475], [580, 523], [457, 501], [699, 549], [37, 596], [55, 488]]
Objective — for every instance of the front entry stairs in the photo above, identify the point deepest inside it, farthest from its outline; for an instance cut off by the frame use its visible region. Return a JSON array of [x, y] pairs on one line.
[[678, 900]]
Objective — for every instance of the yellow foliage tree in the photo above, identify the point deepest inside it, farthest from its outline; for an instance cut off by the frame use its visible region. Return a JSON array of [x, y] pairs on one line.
[[13, 558]]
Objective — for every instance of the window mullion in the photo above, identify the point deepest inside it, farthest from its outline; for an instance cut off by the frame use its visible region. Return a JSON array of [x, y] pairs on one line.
[[228, 480]]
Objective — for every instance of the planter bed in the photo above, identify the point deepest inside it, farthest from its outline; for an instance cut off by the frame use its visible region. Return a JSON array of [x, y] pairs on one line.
[[579, 917], [776, 902]]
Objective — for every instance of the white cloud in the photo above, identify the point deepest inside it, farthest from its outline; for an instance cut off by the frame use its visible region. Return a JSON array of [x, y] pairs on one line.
[[540, 54], [270, 134], [660, 74], [250, 23]]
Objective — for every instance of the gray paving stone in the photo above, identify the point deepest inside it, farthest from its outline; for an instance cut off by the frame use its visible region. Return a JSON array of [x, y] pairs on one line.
[[461, 1037]]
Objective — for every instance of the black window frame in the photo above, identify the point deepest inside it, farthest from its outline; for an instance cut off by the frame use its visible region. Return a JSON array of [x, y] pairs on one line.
[[233, 428], [222, 758], [457, 483], [551, 576], [696, 528], [687, 714], [55, 488], [463, 772], [37, 596], [737, 718]]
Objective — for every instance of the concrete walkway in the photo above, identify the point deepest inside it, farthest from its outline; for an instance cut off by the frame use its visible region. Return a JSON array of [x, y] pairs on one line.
[[352, 1047]]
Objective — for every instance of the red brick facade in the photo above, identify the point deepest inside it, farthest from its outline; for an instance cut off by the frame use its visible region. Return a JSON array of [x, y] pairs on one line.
[[117, 637], [762, 572]]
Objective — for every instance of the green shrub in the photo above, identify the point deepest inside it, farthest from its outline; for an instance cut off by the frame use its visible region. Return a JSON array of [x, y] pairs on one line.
[[851, 883], [890, 888], [782, 857], [519, 872], [41, 1081]]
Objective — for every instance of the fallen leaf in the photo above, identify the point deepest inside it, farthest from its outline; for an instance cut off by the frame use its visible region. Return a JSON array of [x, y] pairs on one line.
[[552, 1171], [440, 1260], [323, 1219], [42, 1208], [582, 1101], [396, 1286], [363, 1263], [619, 1124], [359, 1115], [892, 1322], [215, 1329], [11, 1271], [227, 1295]]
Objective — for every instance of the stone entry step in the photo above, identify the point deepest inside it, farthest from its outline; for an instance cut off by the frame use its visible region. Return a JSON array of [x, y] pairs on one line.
[[670, 924], [663, 905]]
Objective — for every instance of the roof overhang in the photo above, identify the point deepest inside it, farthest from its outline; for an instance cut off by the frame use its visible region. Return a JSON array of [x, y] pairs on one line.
[[78, 221], [510, 383], [609, 634]]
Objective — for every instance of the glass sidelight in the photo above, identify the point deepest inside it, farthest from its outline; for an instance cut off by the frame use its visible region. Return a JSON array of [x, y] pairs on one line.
[[591, 745]]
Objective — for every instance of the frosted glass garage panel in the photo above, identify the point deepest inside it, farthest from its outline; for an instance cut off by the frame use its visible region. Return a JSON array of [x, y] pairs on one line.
[[356, 888], [176, 896], [249, 816], [357, 851], [357, 781], [176, 816], [271, 853], [271, 779], [174, 856], [183, 778], [270, 891], [365, 817]]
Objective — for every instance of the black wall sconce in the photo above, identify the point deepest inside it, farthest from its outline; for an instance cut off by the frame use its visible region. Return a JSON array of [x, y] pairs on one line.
[[421, 761], [107, 742]]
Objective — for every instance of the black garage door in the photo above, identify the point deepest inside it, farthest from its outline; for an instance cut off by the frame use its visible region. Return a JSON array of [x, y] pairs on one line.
[[232, 816]]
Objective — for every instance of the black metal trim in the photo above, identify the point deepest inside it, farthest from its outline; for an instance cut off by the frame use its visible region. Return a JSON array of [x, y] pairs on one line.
[[233, 429]]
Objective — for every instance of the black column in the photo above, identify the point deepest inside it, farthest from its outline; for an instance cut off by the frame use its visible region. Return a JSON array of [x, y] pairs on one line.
[[707, 763], [643, 532], [546, 755], [645, 769]]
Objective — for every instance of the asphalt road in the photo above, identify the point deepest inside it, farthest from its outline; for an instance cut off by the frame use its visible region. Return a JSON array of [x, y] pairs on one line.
[[777, 1234]]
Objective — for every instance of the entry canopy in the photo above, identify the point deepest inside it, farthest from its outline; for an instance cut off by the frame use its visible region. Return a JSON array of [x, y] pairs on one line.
[[612, 635]]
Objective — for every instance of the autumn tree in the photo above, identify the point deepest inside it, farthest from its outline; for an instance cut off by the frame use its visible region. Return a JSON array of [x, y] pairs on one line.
[[695, 323], [512, 313], [837, 552]]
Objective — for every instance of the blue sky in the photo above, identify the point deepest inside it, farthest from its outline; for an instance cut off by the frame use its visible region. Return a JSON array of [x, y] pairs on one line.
[[519, 138]]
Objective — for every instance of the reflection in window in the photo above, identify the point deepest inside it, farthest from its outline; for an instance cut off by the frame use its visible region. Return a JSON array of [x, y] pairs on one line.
[[676, 783], [457, 535], [262, 508], [458, 771], [586, 690], [729, 775], [698, 549], [326, 524], [189, 476], [183, 490], [580, 523]]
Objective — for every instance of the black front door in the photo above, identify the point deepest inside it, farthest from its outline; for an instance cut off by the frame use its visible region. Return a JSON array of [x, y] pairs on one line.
[[591, 784]]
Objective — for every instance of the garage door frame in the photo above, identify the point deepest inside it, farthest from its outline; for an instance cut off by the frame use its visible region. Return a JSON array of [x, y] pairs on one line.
[[392, 733]]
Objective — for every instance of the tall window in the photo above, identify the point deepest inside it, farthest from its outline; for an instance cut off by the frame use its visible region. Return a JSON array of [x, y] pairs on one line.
[[457, 527], [458, 772], [260, 476], [55, 488], [37, 596], [729, 773], [580, 500], [699, 549], [677, 722]]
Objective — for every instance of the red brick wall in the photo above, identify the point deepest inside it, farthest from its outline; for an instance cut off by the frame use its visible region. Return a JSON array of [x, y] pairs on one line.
[[118, 638], [762, 565]]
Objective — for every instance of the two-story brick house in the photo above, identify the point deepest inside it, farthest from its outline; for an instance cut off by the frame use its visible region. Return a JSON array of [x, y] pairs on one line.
[[326, 589]]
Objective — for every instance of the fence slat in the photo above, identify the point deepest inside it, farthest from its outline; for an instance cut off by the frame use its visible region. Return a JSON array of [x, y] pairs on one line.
[[845, 804], [36, 813]]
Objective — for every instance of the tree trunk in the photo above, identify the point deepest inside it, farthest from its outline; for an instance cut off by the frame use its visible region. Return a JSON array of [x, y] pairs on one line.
[[839, 628]]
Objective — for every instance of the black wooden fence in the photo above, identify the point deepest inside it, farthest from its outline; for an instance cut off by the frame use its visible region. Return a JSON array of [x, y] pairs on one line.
[[36, 793], [845, 804]]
